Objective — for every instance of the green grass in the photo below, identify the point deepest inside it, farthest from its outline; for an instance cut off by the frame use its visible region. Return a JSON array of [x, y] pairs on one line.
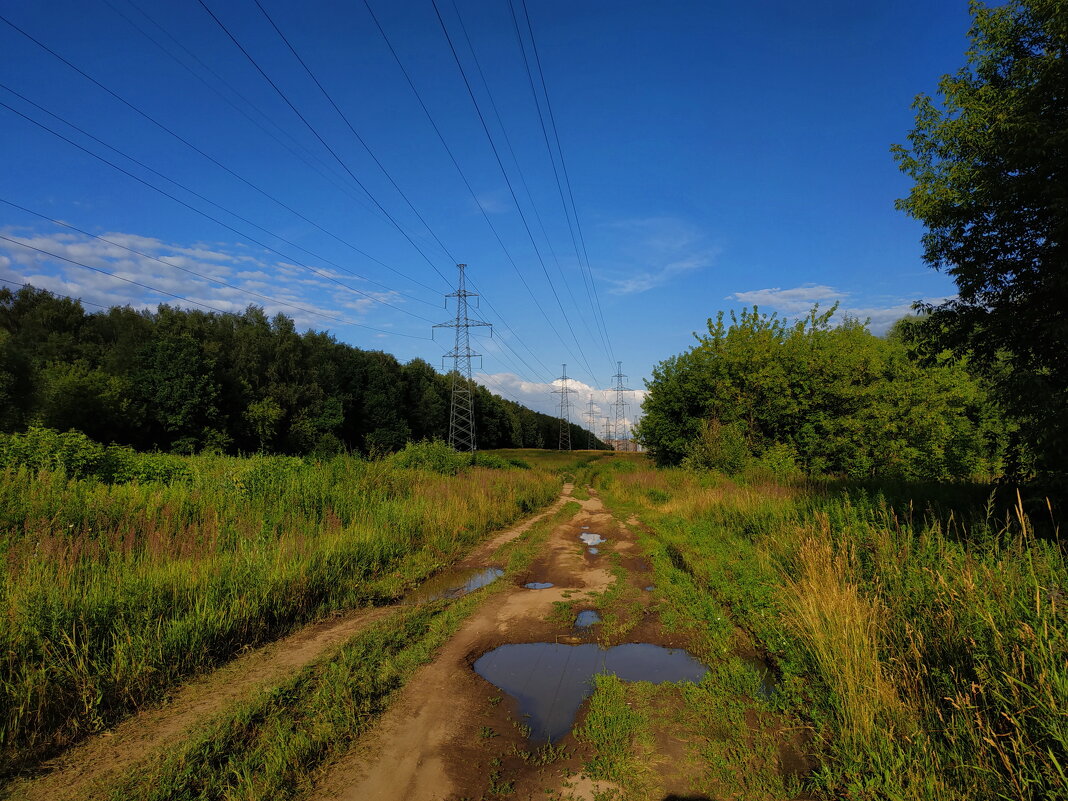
[[268, 748], [274, 745], [115, 591], [927, 649]]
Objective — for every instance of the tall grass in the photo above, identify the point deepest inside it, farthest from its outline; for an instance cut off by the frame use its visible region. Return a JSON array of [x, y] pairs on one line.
[[929, 649], [113, 592]]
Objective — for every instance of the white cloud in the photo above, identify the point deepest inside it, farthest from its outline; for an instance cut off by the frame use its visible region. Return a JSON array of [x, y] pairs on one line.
[[799, 300], [168, 268], [539, 397]]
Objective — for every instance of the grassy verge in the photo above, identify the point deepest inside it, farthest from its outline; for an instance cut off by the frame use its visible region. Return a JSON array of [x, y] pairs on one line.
[[114, 591], [272, 747], [928, 651]]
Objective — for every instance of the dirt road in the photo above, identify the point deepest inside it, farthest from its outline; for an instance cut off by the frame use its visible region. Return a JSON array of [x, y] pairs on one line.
[[450, 735]]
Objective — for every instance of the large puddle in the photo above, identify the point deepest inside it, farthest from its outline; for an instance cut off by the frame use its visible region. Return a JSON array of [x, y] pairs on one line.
[[591, 539], [551, 680], [453, 584]]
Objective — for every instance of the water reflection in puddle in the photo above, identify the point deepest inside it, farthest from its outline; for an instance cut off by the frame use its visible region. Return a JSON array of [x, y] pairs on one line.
[[650, 588], [594, 551], [453, 584], [591, 539], [538, 585], [587, 618], [768, 680], [551, 680]]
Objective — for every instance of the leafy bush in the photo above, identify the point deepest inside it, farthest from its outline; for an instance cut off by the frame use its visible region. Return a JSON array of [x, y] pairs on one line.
[[720, 447], [435, 455], [77, 456], [844, 400], [492, 461]]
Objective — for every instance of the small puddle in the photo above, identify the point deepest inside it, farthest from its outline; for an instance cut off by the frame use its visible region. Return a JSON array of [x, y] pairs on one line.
[[453, 584], [768, 680], [650, 588], [538, 585], [585, 527], [594, 551], [591, 539], [587, 618], [551, 680]]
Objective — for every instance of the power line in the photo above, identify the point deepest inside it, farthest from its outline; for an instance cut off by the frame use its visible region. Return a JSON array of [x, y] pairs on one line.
[[508, 182], [462, 408], [218, 281], [556, 174], [349, 124], [210, 202], [57, 294], [293, 147], [165, 292], [471, 191], [199, 211], [565, 410], [563, 166], [322, 141], [198, 150]]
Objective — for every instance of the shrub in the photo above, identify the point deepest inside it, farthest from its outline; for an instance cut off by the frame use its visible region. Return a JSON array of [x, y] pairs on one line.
[[436, 456], [720, 446], [77, 456]]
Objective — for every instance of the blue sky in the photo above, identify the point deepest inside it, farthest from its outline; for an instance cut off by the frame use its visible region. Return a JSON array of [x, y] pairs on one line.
[[719, 155]]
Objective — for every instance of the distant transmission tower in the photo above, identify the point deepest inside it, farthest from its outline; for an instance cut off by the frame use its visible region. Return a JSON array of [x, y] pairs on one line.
[[565, 410], [591, 423], [622, 434], [608, 432], [462, 411]]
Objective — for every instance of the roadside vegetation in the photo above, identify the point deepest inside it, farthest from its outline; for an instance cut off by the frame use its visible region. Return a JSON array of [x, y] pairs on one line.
[[125, 573], [272, 747], [924, 645]]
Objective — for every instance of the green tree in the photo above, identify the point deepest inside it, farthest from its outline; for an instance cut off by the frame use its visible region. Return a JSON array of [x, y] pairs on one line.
[[990, 165], [834, 397]]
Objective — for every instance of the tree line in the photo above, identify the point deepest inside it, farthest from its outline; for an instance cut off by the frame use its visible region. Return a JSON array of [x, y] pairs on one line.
[[188, 381]]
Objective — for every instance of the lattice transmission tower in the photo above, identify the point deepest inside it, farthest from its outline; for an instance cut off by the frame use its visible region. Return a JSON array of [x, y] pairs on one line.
[[462, 408], [591, 423], [565, 392], [620, 405], [608, 432]]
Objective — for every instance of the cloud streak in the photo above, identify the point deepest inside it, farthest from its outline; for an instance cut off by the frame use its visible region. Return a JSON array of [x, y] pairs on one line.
[[160, 271], [664, 247], [799, 300]]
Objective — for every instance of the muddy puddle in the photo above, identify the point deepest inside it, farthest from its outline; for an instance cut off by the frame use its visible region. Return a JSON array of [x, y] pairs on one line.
[[453, 584], [591, 539], [551, 680], [587, 618], [538, 585], [768, 680]]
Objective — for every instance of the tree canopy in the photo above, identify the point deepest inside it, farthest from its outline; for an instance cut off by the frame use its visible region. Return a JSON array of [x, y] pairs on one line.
[[826, 398], [990, 166], [186, 381]]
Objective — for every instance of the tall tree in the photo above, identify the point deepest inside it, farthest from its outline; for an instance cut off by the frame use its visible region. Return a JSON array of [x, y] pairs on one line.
[[990, 165]]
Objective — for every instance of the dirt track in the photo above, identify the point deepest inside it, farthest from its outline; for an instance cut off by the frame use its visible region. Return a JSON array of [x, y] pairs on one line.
[[431, 744]]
